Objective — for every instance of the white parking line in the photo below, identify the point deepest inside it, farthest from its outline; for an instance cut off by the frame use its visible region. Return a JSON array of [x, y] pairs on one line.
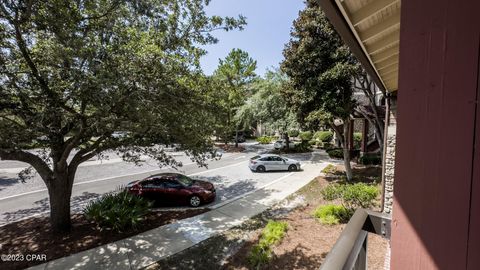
[[216, 169]]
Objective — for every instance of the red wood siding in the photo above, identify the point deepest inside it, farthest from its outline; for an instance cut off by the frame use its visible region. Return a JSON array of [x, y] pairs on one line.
[[436, 198], [474, 228]]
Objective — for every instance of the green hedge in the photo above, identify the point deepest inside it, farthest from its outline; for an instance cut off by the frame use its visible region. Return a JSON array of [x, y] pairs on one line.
[[370, 159], [335, 153], [265, 139], [306, 136], [324, 136]]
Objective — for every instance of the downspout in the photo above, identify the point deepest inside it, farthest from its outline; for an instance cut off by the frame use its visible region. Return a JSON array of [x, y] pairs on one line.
[[384, 152]]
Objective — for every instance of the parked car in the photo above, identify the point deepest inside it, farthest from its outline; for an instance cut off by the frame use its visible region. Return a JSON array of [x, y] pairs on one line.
[[239, 139], [269, 162], [281, 144], [173, 188]]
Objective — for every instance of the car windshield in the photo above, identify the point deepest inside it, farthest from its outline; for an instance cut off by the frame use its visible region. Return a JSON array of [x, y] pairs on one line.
[[255, 157], [279, 142], [184, 180]]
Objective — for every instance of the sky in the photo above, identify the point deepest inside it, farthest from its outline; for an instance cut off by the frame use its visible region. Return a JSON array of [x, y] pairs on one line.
[[267, 30]]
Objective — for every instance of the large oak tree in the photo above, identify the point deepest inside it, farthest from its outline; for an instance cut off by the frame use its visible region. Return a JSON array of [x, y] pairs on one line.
[[321, 69], [74, 73]]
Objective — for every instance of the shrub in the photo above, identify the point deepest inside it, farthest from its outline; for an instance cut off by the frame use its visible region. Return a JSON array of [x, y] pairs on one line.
[[324, 136], [330, 169], [265, 139], [118, 211], [331, 214], [273, 233], [357, 139], [370, 159], [312, 142], [335, 153], [353, 196], [302, 147], [293, 133], [306, 136]]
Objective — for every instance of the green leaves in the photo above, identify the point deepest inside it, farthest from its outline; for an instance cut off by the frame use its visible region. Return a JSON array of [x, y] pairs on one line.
[[319, 66]]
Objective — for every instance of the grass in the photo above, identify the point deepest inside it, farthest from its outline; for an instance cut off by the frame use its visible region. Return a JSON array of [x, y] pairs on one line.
[[273, 233], [330, 169], [331, 214]]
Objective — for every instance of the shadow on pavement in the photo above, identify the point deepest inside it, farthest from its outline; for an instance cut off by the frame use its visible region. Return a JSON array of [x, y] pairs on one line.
[[43, 206], [8, 181]]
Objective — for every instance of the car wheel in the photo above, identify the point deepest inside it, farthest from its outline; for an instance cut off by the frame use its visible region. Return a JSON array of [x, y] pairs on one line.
[[260, 169], [292, 168], [194, 201]]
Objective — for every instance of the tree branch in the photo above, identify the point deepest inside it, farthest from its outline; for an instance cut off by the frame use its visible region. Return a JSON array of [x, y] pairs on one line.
[[40, 166]]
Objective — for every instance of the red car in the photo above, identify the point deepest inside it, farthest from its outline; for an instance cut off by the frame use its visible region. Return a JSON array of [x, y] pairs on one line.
[[173, 188]]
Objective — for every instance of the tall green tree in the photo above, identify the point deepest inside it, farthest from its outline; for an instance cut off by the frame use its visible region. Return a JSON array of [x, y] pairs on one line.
[[268, 106], [234, 73], [74, 72], [320, 68]]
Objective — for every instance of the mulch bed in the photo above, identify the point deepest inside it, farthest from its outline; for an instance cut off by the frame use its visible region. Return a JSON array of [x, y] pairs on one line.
[[230, 148], [34, 236], [307, 241]]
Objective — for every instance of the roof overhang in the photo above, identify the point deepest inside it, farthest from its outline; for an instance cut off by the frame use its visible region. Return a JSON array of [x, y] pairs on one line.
[[371, 28]]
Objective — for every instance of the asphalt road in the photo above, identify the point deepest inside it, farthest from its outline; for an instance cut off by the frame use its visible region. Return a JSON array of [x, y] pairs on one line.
[[230, 175]]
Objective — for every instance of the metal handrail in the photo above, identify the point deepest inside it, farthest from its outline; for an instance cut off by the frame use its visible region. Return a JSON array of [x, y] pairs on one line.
[[350, 250]]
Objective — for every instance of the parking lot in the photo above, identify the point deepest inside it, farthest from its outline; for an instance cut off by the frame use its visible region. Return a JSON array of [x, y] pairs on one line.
[[230, 175]]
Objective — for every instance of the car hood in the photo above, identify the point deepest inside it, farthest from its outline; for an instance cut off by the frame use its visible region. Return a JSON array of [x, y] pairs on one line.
[[202, 184]]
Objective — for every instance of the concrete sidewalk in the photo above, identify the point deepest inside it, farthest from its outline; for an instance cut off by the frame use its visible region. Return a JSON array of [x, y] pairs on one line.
[[148, 247]]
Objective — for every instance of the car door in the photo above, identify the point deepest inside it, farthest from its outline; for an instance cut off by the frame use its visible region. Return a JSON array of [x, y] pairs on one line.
[[147, 189], [268, 163], [174, 192], [278, 163]]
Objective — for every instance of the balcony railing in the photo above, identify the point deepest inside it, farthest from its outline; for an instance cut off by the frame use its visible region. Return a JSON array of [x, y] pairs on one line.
[[350, 250]]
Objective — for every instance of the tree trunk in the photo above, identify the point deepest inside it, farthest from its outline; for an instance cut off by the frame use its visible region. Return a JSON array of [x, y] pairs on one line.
[[60, 191], [346, 151], [236, 137]]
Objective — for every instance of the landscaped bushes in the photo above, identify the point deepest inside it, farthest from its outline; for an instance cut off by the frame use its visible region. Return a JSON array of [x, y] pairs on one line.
[[335, 153], [293, 133], [331, 214], [357, 139], [273, 233], [265, 139], [118, 211], [370, 159], [353, 196], [324, 136], [306, 135]]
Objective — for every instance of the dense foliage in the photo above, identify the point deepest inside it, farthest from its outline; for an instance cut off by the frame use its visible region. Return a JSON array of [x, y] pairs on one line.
[[72, 73], [353, 196], [118, 211], [324, 136], [233, 76], [320, 68]]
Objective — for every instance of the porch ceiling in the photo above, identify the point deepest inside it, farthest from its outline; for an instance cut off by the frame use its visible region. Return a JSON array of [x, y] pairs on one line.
[[374, 25]]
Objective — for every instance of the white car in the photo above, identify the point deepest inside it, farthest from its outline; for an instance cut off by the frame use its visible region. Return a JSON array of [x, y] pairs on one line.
[[281, 144], [269, 162]]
